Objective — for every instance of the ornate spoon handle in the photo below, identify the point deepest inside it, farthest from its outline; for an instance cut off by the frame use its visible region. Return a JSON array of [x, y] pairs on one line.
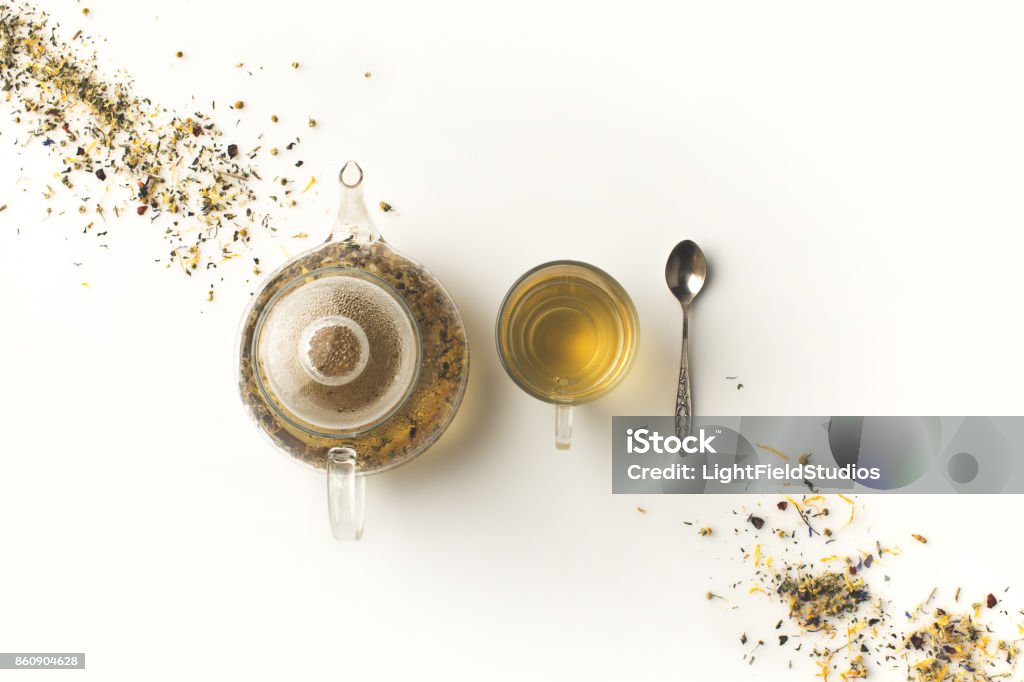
[[684, 401]]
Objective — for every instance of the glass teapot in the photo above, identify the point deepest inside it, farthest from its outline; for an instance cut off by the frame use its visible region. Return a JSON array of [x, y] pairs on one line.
[[352, 358]]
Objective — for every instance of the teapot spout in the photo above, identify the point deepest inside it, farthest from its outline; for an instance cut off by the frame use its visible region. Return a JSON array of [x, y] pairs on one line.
[[353, 221]]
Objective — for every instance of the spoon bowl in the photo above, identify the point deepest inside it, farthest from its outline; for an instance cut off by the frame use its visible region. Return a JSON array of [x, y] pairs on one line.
[[686, 271]]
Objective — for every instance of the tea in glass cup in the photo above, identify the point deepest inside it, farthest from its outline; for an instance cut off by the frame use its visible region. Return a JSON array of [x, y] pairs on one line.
[[567, 333]]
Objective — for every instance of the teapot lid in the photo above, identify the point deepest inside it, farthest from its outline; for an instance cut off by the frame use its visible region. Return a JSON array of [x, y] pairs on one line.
[[339, 351]]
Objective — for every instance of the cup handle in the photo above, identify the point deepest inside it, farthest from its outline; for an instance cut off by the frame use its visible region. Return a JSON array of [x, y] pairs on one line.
[[563, 426], [346, 494]]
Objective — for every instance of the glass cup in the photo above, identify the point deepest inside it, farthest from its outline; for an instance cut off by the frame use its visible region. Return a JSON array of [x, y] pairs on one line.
[[567, 333]]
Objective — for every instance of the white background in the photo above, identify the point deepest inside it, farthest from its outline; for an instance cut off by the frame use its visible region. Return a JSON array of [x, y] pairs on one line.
[[852, 170]]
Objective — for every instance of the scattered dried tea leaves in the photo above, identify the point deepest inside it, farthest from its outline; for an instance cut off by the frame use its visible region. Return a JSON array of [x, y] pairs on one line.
[[832, 609], [920, 538], [815, 599], [777, 453], [386, 207], [843, 625], [956, 647], [174, 168]]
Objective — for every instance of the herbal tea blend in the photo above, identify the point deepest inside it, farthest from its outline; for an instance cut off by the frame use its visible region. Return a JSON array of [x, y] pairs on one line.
[[835, 613], [121, 153]]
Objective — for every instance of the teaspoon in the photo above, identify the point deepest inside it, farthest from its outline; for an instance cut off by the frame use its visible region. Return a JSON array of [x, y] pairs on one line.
[[685, 273]]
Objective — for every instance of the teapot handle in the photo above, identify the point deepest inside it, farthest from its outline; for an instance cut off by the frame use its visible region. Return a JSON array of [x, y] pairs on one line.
[[346, 494]]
